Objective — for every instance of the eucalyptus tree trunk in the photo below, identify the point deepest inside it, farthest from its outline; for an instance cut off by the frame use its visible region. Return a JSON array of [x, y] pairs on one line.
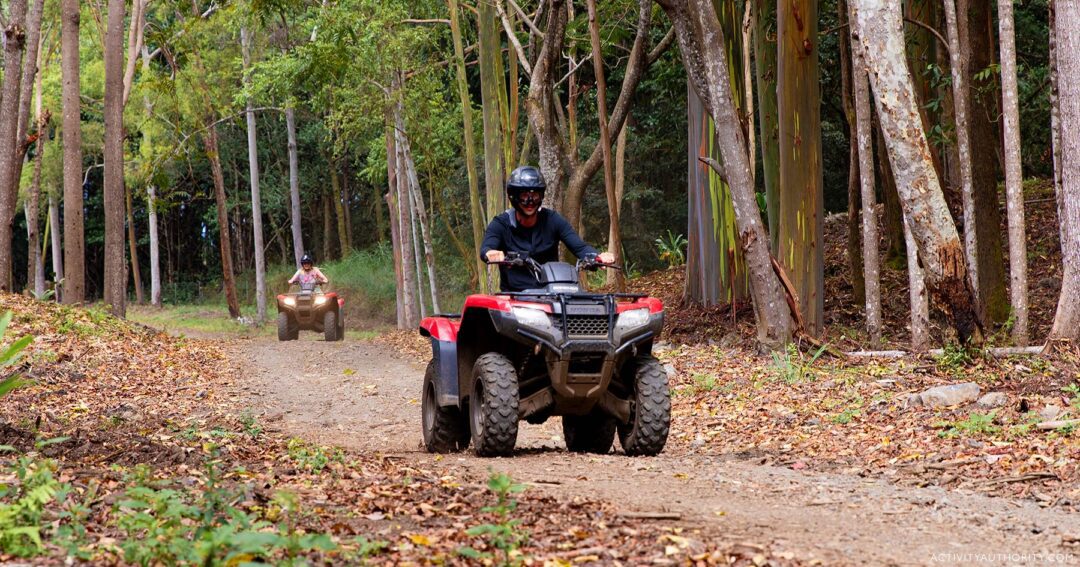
[[294, 186], [256, 201], [615, 243], [958, 67], [701, 42], [880, 30], [765, 39], [155, 254], [620, 192], [57, 248], [491, 70], [36, 275], [715, 270], [854, 187], [74, 287], [801, 226], [863, 148], [1014, 175], [115, 290], [410, 300], [978, 47], [1066, 63], [29, 78], [416, 200], [475, 210], [328, 220], [14, 46], [395, 224], [920, 304], [339, 207], [210, 139]]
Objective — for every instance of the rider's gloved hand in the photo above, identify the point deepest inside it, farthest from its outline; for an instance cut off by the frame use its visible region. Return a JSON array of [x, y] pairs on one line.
[[495, 256], [606, 258]]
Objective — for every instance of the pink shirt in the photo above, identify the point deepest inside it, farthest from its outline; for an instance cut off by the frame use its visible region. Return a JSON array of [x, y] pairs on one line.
[[314, 275]]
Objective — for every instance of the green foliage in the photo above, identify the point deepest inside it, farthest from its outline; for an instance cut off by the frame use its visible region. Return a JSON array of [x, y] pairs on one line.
[[252, 427], [793, 366], [976, 424], [10, 356], [671, 249], [954, 358], [22, 507], [845, 417], [505, 535], [313, 458]]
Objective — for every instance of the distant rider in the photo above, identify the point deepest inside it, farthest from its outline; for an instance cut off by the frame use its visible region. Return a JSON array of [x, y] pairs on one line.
[[308, 273], [530, 229]]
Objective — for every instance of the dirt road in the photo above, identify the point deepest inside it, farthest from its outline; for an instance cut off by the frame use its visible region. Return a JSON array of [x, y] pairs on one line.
[[360, 396]]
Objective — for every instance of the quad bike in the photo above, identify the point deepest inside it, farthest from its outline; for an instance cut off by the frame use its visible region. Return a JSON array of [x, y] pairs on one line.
[[553, 351], [309, 309]]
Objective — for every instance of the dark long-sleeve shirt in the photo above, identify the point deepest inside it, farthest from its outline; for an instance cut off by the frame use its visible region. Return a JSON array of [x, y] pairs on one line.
[[540, 242]]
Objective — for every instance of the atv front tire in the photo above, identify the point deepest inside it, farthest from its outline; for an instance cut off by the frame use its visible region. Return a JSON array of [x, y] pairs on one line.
[[330, 326], [650, 417], [445, 429], [592, 433], [493, 406], [287, 329]]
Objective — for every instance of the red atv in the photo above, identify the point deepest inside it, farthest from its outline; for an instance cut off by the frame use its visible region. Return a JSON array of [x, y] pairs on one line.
[[309, 309], [540, 353]]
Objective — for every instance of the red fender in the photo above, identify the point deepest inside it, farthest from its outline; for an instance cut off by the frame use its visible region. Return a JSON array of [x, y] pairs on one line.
[[440, 328]]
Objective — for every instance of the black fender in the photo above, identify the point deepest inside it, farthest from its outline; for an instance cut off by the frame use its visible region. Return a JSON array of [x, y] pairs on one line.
[[444, 354]]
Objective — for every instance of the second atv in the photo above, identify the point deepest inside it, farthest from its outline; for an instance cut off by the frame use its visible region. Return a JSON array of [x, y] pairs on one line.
[[552, 351], [309, 309]]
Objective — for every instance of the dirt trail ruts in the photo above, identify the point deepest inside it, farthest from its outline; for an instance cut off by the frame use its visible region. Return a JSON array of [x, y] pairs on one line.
[[361, 396]]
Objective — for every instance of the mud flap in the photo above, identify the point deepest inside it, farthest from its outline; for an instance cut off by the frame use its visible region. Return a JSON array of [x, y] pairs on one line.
[[444, 353]]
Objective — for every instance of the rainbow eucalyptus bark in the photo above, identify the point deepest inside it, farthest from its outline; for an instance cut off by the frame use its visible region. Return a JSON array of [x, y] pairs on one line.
[[801, 220], [768, 122], [701, 42]]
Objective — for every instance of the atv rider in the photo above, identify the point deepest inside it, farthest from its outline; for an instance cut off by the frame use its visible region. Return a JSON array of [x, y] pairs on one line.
[[308, 273], [530, 229]]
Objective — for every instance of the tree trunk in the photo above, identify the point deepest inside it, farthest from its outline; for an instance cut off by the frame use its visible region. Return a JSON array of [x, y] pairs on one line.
[[1066, 63], [801, 227], [490, 72], [1014, 176], [395, 221], [115, 291], [605, 143], [133, 249], [155, 255], [854, 236], [895, 242], [256, 200], [920, 305], [29, 78], [346, 200], [57, 249], [862, 147], [768, 118], [210, 138], [701, 42], [958, 65], [476, 212], [339, 208], [976, 31], [294, 187], [74, 288], [880, 28], [14, 46], [36, 275], [328, 222], [417, 201], [554, 162], [620, 192]]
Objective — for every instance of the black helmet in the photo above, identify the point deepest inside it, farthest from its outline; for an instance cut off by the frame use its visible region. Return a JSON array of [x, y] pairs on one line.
[[307, 259], [524, 178]]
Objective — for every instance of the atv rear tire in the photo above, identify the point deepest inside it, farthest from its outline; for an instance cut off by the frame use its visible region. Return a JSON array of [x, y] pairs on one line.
[[493, 406], [330, 329], [446, 430], [286, 328], [592, 433], [650, 416], [341, 326]]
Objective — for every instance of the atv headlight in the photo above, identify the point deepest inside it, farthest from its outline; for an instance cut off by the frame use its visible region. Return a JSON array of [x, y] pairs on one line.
[[320, 300], [632, 319], [533, 318], [290, 301]]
